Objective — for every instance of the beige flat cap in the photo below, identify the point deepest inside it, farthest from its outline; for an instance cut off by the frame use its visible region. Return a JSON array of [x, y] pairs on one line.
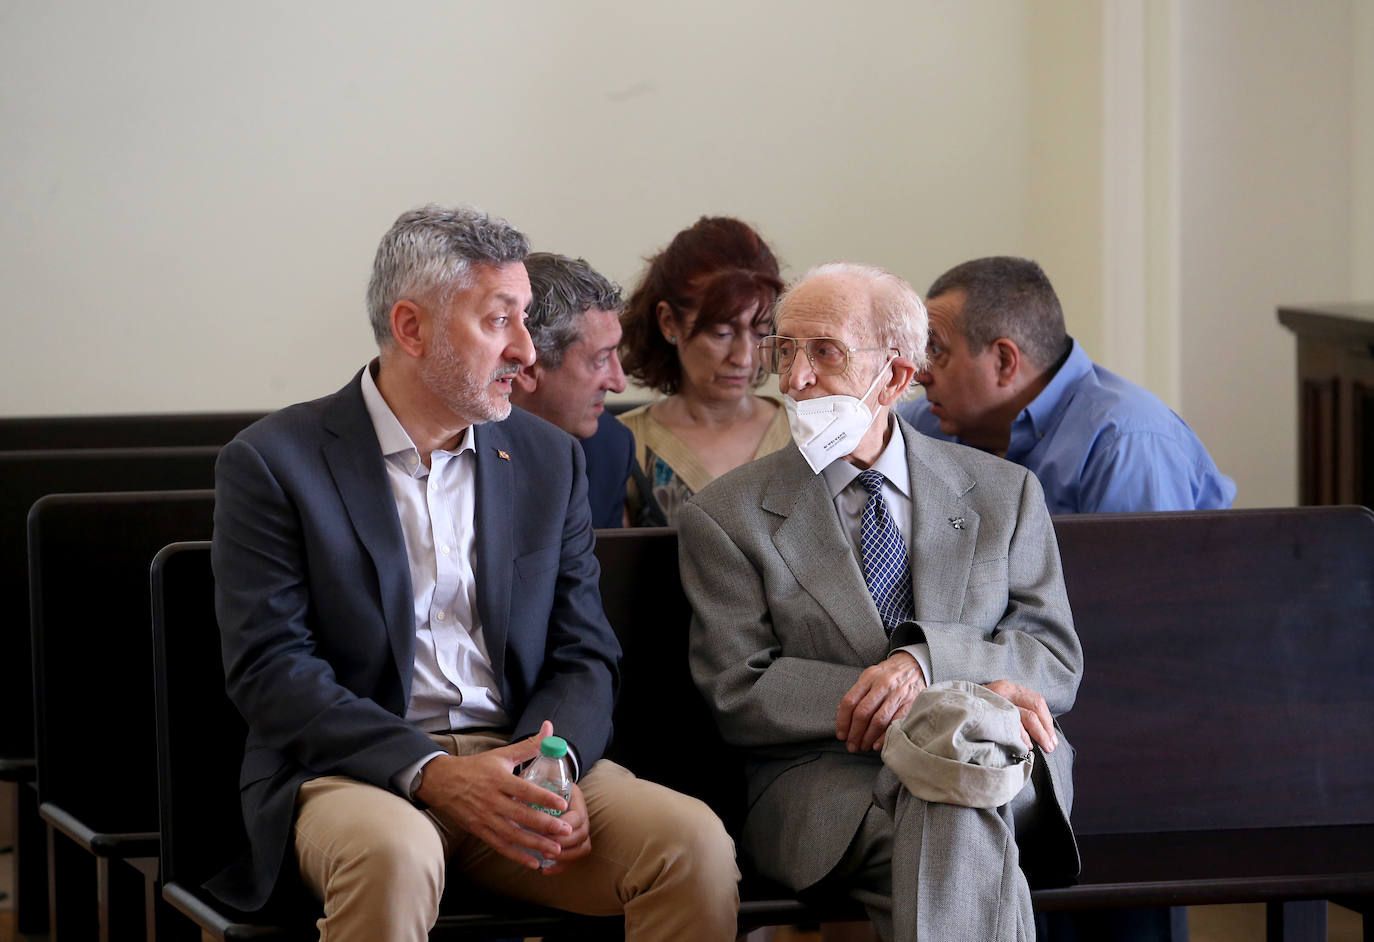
[[960, 745]]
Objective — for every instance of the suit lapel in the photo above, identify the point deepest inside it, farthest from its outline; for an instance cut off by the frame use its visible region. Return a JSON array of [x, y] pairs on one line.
[[820, 556], [494, 516], [355, 462], [944, 530]]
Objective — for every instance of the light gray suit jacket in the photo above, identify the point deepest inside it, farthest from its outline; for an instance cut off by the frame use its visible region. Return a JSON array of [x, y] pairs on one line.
[[784, 624]]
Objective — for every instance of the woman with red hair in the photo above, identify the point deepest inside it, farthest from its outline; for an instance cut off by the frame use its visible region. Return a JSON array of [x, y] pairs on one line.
[[691, 331]]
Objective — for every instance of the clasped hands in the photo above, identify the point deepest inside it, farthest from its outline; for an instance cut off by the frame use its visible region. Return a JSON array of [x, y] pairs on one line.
[[480, 795], [884, 693]]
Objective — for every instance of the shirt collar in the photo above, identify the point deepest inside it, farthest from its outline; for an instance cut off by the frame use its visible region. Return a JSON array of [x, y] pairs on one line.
[[1035, 420], [391, 435], [839, 474]]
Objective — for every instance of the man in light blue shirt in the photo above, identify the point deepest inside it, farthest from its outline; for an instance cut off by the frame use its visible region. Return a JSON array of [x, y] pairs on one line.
[[1005, 377]]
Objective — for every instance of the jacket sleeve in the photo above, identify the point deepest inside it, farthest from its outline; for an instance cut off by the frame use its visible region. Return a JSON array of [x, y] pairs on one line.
[[760, 697], [277, 666]]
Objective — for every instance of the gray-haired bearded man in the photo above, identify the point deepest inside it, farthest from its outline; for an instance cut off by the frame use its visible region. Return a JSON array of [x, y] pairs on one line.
[[409, 602]]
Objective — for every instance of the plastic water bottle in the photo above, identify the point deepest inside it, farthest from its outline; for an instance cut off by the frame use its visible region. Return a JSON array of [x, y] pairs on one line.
[[552, 769]]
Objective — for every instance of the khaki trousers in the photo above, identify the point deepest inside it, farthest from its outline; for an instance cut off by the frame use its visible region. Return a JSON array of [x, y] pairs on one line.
[[378, 863]]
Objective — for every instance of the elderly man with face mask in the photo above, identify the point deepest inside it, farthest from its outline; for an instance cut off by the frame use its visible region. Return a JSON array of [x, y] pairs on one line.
[[833, 581]]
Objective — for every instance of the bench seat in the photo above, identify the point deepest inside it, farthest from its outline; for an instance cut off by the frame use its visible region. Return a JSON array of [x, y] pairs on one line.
[[1225, 727]]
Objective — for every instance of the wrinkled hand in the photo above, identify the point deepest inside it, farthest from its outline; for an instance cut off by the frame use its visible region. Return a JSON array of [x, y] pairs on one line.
[[883, 693], [480, 795], [579, 842], [1035, 715]]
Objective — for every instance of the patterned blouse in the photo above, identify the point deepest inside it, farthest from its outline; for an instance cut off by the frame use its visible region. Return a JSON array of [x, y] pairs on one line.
[[672, 468]]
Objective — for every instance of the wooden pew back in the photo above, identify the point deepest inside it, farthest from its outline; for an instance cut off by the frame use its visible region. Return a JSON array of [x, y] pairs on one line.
[[1228, 663], [147, 430], [27, 476], [658, 703], [89, 559], [200, 735]]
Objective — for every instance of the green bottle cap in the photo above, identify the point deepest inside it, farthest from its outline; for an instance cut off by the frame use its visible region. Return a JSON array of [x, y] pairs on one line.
[[555, 747]]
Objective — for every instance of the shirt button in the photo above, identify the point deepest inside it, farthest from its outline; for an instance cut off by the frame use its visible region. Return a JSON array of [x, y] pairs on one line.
[[445, 550], [439, 616]]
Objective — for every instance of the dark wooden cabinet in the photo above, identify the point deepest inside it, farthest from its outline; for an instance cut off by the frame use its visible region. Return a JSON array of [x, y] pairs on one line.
[[1335, 401]]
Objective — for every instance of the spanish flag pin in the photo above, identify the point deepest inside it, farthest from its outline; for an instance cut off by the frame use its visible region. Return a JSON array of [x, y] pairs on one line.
[[505, 456]]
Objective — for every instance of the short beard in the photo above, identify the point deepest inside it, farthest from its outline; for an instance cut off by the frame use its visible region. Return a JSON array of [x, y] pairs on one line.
[[446, 375]]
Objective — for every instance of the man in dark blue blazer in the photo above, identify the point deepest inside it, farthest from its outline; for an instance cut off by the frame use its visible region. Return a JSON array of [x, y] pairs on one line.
[[408, 602], [575, 325]]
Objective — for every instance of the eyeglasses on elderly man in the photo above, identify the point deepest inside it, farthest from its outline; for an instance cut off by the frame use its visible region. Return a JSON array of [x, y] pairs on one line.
[[827, 356]]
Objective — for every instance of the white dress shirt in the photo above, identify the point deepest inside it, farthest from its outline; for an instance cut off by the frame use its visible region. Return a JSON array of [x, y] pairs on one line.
[[849, 497], [453, 684]]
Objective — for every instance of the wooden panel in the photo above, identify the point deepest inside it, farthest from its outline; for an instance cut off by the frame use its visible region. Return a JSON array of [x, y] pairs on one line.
[[89, 557], [29, 475], [154, 430], [1317, 434], [1335, 373], [1229, 654]]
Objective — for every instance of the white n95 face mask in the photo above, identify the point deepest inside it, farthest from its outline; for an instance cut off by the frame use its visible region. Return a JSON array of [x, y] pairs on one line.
[[830, 427]]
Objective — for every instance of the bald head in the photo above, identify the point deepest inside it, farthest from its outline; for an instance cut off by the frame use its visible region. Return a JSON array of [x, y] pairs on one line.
[[868, 304], [861, 330]]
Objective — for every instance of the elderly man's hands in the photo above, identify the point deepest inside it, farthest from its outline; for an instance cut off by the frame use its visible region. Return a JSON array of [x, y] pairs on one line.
[[1036, 721], [883, 694]]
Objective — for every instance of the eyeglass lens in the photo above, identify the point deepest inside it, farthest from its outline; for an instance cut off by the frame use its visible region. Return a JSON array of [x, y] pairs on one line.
[[826, 355]]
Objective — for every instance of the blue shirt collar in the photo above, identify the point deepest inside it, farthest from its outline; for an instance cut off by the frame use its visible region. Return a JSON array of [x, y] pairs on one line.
[[1036, 420]]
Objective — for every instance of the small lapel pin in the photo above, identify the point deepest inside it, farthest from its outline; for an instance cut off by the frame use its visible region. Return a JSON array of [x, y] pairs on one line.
[[956, 522], [504, 456]]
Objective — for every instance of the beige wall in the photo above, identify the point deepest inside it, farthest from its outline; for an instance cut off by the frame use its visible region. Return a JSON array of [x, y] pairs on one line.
[[1064, 192], [1265, 197], [193, 193], [1362, 243]]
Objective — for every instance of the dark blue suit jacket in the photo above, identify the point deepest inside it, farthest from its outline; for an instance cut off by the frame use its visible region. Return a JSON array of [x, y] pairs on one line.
[[610, 455], [315, 607]]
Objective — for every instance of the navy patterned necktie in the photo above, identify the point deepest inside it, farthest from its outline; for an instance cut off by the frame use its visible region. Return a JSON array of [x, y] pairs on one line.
[[884, 556]]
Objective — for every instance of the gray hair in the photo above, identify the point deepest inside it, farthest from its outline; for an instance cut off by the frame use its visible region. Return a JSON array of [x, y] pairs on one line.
[[897, 318], [428, 254], [1008, 297], [564, 289]]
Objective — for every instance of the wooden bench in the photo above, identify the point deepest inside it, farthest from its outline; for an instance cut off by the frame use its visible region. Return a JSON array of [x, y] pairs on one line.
[[89, 556], [1224, 734], [131, 430], [28, 475], [1224, 727]]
